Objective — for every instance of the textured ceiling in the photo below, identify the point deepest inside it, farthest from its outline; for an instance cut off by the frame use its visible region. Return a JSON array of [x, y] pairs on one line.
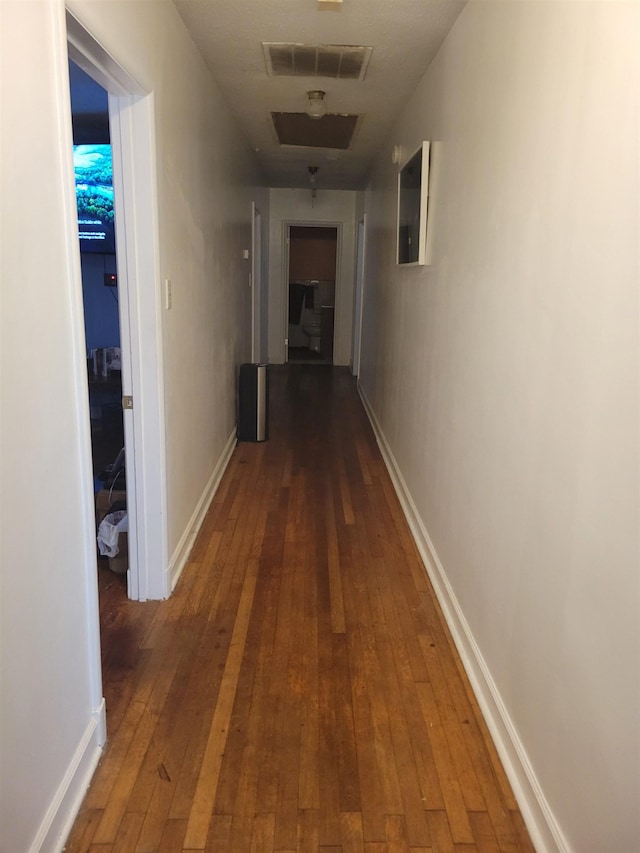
[[405, 36]]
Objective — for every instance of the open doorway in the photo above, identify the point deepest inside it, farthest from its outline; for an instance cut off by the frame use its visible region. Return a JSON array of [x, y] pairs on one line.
[[311, 294], [93, 166], [132, 135]]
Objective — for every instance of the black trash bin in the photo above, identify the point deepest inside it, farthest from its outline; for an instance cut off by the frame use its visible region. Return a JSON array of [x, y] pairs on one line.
[[253, 403]]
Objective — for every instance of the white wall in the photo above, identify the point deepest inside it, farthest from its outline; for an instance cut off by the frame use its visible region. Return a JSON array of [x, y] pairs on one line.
[[504, 383], [334, 207], [50, 701], [51, 712]]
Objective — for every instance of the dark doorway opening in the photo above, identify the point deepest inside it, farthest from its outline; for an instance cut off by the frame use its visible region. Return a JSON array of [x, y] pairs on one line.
[[311, 293], [96, 230]]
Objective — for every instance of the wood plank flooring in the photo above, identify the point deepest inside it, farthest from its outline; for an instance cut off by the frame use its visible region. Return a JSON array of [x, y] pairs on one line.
[[299, 691]]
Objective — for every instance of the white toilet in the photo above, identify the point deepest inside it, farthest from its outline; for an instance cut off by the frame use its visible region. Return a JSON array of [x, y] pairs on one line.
[[311, 327]]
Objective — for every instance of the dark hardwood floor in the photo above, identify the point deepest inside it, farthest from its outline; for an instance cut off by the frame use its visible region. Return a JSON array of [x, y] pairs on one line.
[[299, 691]]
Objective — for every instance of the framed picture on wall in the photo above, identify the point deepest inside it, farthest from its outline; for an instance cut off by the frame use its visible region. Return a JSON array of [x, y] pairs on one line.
[[413, 207]]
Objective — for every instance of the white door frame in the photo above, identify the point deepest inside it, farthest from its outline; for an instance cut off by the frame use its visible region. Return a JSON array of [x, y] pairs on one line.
[[256, 283], [361, 239], [133, 148]]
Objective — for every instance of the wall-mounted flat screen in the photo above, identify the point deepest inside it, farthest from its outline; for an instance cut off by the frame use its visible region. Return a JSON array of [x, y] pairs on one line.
[[94, 198]]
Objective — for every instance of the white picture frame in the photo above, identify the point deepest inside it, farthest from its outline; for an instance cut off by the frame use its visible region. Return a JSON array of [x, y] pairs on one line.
[[413, 208]]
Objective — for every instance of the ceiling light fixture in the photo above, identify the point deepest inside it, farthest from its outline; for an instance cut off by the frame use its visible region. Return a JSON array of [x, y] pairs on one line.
[[316, 106]]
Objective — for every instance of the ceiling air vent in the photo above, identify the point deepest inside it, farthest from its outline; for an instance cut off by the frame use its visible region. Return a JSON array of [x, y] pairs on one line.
[[340, 61], [330, 131]]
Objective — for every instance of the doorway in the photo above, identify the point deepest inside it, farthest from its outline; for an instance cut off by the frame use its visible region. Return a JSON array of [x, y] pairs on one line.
[[132, 135], [311, 293], [93, 167]]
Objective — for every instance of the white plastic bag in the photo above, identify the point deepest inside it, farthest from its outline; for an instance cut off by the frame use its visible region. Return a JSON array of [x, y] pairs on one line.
[[111, 527]]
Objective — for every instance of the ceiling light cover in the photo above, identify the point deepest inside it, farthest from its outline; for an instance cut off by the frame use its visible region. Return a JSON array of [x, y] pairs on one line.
[[316, 106]]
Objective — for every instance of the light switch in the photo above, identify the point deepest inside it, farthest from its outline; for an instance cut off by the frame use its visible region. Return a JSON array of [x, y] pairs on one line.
[[168, 295]]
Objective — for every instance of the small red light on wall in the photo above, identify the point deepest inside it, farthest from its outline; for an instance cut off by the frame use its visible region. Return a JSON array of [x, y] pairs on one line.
[[110, 279]]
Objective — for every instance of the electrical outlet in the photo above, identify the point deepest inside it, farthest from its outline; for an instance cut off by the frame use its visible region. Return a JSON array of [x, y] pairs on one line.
[[168, 294]]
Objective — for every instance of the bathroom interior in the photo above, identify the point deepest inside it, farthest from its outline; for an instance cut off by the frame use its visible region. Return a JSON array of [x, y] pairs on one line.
[[312, 286]]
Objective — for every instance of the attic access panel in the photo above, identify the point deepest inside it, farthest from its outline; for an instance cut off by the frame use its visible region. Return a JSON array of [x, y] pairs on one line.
[[330, 131]]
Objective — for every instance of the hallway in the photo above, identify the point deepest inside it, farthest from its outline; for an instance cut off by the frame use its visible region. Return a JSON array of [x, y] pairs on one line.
[[299, 691]]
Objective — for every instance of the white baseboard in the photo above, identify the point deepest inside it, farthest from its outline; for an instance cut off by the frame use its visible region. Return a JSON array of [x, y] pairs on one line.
[[64, 807], [544, 830], [185, 545]]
